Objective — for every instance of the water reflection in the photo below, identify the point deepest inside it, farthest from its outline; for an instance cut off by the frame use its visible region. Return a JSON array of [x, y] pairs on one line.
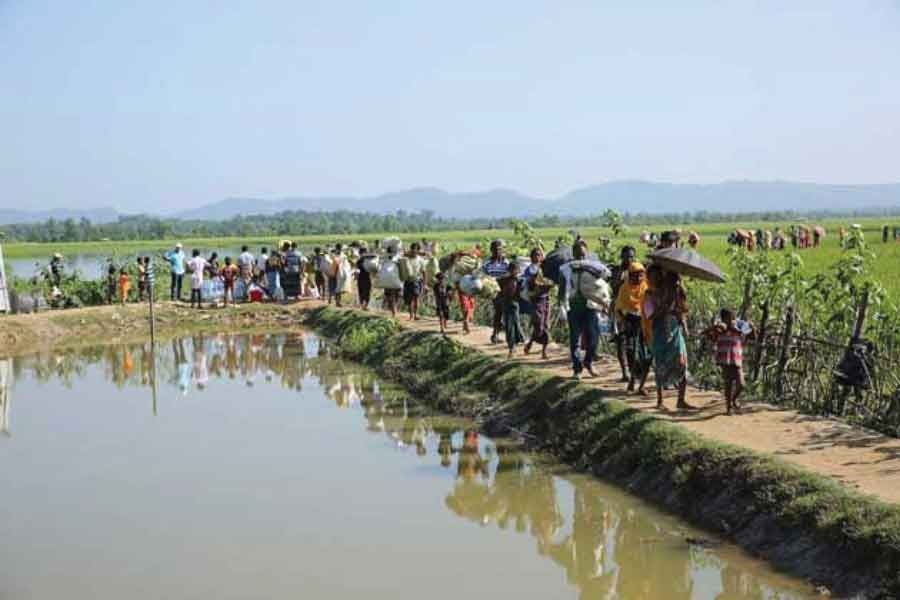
[[608, 544]]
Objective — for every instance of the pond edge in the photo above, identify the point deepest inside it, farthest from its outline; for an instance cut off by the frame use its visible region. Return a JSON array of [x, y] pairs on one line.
[[802, 523]]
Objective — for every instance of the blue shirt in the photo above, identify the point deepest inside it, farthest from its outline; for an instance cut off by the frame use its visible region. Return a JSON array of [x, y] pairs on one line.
[[176, 261], [496, 268]]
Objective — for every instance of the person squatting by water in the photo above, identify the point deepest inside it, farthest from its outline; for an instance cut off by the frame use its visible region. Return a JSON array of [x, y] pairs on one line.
[[497, 267]]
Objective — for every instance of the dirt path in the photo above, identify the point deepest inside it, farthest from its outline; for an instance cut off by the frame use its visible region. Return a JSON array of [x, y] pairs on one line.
[[861, 459]]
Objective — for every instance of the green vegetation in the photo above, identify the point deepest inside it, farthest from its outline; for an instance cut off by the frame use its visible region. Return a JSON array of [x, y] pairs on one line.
[[824, 532]]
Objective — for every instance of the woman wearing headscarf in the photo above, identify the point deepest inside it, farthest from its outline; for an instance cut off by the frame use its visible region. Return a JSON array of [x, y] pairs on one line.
[[628, 309], [665, 307]]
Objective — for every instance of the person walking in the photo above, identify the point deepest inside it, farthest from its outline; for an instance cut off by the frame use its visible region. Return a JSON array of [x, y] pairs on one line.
[[729, 336], [176, 261], [665, 306], [509, 296], [581, 314], [441, 300], [412, 287], [629, 299], [363, 279], [497, 267], [619, 277], [538, 289]]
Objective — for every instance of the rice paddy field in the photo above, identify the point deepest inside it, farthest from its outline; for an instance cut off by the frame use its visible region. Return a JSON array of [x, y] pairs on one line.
[[713, 245]]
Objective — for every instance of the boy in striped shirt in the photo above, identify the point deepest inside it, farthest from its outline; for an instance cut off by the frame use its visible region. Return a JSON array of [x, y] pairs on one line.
[[729, 336]]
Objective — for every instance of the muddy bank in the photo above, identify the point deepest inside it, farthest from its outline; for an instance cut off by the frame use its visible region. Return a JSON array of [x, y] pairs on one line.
[[111, 324], [803, 523]]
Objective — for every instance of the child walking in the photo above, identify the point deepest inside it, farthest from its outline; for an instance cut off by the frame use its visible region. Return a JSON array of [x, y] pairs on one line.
[[467, 306], [441, 301], [729, 336], [509, 301]]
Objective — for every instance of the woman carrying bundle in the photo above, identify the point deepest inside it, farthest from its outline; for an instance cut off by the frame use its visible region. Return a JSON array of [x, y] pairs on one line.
[[628, 310]]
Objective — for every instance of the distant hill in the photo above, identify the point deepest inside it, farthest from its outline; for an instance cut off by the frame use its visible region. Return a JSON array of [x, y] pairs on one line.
[[625, 196], [94, 215], [729, 196]]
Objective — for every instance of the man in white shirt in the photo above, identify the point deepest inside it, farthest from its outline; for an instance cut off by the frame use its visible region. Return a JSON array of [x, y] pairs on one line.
[[246, 264], [197, 265]]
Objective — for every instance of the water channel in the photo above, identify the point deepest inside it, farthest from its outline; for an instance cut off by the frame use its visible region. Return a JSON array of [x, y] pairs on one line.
[[260, 466]]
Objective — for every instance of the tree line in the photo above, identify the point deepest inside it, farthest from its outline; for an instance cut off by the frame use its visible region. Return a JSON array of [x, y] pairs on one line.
[[345, 222]]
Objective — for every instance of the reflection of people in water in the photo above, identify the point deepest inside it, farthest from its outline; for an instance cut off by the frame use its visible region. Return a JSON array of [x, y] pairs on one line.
[[201, 374]]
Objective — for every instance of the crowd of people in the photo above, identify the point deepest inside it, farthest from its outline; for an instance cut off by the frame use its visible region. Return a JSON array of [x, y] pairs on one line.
[[642, 308]]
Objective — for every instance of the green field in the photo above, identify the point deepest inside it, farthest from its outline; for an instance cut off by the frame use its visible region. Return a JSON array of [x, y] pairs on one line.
[[713, 244]]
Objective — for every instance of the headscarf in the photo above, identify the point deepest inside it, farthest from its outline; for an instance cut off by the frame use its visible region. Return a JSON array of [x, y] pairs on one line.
[[631, 295]]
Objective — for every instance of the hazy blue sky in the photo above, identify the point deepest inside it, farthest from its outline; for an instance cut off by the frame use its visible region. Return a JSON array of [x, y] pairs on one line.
[[160, 105]]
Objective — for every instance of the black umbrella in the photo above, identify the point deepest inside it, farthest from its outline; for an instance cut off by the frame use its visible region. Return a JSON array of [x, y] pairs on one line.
[[689, 263]]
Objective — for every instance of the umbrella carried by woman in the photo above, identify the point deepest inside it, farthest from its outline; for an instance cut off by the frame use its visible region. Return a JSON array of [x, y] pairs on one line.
[[665, 311]]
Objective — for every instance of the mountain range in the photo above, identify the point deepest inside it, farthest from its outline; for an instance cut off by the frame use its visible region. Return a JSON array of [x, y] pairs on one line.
[[625, 196]]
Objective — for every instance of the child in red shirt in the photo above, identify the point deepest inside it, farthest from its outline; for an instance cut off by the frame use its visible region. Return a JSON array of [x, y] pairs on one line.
[[729, 337]]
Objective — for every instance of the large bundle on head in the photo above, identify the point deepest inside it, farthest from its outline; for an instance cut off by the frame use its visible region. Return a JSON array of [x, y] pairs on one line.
[[370, 263], [523, 262], [388, 276], [819, 231], [432, 267], [589, 277], [466, 264], [392, 245]]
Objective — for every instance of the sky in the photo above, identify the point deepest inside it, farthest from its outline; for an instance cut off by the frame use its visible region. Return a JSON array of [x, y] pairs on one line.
[[159, 106]]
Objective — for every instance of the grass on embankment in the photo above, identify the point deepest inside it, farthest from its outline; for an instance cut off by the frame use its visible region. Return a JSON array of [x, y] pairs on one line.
[[105, 324], [802, 522]]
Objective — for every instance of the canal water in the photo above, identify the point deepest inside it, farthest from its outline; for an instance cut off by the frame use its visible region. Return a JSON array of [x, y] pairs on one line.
[[260, 466]]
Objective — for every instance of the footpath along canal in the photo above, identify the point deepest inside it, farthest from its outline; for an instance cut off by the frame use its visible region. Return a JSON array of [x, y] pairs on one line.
[[261, 465]]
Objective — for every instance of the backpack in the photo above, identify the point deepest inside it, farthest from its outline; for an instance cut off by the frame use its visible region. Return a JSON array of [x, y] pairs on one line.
[[292, 262], [590, 285]]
